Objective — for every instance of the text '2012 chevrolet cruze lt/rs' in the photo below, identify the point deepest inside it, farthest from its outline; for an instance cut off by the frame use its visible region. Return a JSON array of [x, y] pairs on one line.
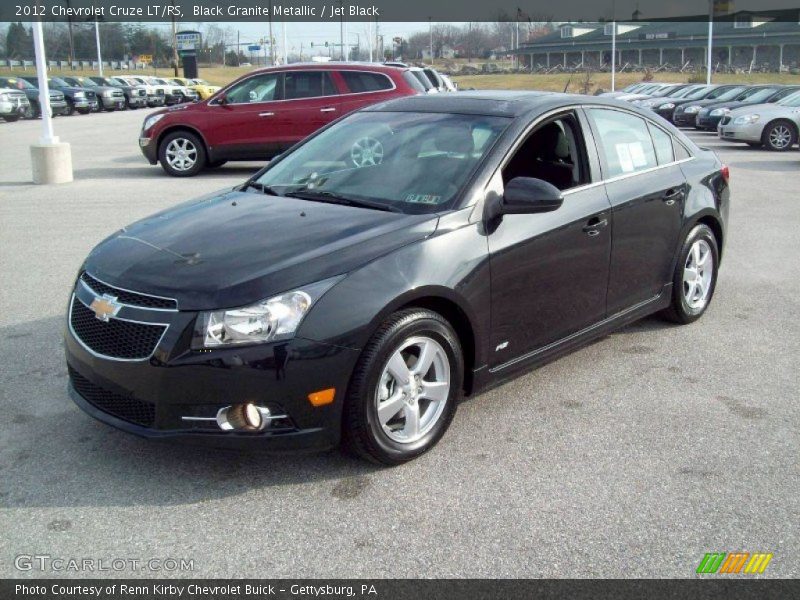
[[409, 254]]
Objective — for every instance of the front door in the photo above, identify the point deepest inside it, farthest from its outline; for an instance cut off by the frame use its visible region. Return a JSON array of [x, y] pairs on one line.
[[550, 270]]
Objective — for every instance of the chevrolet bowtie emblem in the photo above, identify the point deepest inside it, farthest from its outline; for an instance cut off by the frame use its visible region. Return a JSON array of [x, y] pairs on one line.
[[105, 306]]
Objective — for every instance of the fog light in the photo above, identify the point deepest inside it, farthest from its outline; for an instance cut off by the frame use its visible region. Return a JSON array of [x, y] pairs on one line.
[[246, 417]]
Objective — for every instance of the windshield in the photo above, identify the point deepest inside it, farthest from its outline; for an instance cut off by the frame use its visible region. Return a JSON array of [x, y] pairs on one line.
[[20, 84], [759, 95], [89, 83], [411, 162], [699, 93], [200, 82], [57, 82], [793, 100], [684, 92], [665, 91], [723, 95]]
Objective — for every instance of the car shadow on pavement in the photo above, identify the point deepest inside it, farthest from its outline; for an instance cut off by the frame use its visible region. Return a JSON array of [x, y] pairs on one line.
[[52, 454], [151, 172]]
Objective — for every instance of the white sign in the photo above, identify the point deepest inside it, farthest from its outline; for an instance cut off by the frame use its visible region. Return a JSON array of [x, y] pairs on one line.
[[188, 40]]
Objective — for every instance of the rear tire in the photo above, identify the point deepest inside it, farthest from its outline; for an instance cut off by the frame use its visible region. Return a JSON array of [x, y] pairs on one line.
[[182, 154], [397, 409], [779, 136], [695, 276], [70, 109], [11, 118]]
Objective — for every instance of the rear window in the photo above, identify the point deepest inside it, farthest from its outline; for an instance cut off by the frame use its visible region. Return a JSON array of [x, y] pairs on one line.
[[307, 84], [362, 81]]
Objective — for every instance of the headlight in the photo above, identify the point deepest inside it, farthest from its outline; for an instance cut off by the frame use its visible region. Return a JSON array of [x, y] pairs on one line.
[[150, 121], [79, 95], [273, 319], [667, 106], [746, 119], [692, 109], [718, 112]]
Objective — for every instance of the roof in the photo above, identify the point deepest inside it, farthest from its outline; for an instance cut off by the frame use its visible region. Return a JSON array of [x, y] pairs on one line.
[[331, 65], [500, 103]]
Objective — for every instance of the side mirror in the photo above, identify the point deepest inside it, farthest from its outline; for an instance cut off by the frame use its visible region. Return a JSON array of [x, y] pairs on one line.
[[222, 100], [526, 195]]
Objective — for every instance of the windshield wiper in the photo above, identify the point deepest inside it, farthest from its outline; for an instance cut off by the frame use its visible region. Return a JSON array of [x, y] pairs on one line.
[[333, 198], [260, 187]]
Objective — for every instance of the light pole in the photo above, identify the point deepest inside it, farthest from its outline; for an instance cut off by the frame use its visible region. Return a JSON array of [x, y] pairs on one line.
[[710, 40], [613, 45], [99, 56], [430, 35], [369, 38]]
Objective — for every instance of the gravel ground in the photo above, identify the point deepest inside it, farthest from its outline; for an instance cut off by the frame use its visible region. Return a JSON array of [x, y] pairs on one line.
[[629, 458]]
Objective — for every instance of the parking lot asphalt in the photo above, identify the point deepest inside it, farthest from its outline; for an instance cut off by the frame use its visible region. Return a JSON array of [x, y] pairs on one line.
[[632, 457]]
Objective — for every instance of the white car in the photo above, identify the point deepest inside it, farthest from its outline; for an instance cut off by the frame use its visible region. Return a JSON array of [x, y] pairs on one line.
[[173, 94], [13, 104], [774, 126], [155, 94]]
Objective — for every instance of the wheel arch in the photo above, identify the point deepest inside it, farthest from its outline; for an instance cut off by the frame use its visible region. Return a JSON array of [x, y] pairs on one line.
[[792, 125], [186, 128]]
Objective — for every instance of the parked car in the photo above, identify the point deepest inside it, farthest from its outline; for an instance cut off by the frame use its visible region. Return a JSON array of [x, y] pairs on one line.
[[662, 92], [448, 83], [651, 102], [135, 95], [685, 113], [775, 126], [175, 93], [658, 89], [111, 97], [14, 103], [709, 117], [32, 109], [79, 99], [64, 99], [423, 79], [335, 298], [435, 78], [265, 112], [155, 95], [204, 89], [630, 90]]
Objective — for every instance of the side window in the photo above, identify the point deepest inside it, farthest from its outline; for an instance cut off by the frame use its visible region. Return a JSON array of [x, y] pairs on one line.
[[307, 84], [625, 142], [662, 142], [681, 153], [553, 152], [260, 88], [361, 81]]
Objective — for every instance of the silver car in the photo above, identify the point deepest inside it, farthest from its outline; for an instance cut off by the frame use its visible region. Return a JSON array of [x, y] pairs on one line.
[[773, 126]]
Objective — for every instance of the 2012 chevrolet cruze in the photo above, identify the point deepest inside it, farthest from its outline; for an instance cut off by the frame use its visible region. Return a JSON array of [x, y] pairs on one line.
[[406, 255]]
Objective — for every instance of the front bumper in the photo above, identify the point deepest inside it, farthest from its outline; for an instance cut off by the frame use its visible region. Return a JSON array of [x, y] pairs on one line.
[[13, 108], [113, 102], [137, 101], [750, 132], [156, 100], [177, 382], [664, 113], [148, 147], [708, 122], [684, 119]]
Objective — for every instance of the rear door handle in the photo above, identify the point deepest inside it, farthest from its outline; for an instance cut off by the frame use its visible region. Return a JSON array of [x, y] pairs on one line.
[[266, 114], [671, 195], [327, 109], [594, 225]]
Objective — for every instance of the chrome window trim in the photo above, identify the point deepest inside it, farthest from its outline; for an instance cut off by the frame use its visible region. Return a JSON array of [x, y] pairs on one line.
[[122, 289], [105, 356]]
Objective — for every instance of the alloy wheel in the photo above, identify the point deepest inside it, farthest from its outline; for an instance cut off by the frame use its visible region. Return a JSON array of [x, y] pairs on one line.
[[413, 389], [780, 136], [181, 154], [698, 272], [366, 152]]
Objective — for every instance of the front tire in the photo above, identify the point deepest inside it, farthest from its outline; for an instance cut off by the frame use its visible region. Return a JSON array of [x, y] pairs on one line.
[[779, 136], [695, 276], [404, 389], [182, 154]]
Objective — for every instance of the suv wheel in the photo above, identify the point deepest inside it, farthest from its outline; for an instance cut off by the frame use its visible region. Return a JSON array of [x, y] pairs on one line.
[[779, 136], [404, 389], [695, 276], [70, 108], [182, 154]]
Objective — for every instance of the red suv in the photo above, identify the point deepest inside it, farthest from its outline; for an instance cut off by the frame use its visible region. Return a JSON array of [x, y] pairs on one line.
[[265, 112]]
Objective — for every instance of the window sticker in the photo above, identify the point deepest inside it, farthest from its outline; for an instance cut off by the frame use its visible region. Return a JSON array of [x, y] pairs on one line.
[[423, 198], [637, 154]]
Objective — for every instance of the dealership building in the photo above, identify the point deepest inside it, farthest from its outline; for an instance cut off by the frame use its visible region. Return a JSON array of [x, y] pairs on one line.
[[743, 40]]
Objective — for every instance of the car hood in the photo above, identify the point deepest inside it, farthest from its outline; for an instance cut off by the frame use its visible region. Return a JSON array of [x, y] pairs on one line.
[[235, 248], [766, 109]]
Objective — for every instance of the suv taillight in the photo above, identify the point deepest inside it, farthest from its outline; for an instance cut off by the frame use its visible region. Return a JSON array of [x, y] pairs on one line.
[[725, 172]]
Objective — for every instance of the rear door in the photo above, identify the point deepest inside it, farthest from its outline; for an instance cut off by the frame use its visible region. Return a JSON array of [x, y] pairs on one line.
[[366, 87], [249, 124], [647, 190]]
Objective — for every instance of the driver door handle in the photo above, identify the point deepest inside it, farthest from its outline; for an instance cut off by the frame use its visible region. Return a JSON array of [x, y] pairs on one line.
[[266, 114], [671, 195], [594, 225], [327, 109]]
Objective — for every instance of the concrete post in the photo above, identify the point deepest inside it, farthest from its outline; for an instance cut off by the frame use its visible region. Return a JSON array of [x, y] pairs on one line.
[[683, 56], [548, 60], [730, 55], [51, 159], [660, 56], [565, 59], [780, 58]]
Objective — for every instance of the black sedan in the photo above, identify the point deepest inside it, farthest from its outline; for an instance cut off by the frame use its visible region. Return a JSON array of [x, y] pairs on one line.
[[709, 116], [685, 114], [404, 256]]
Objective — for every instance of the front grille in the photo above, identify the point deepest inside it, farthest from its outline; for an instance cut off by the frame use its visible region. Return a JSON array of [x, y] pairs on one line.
[[91, 95], [114, 338], [126, 297], [160, 92], [117, 94], [124, 407], [142, 92]]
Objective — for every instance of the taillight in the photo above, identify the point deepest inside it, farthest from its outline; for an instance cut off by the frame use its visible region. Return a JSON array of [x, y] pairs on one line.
[[725, 172]]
